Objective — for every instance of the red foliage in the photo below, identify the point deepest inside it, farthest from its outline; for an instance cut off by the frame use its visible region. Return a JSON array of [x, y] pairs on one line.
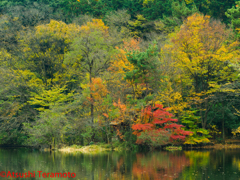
[[160, 119], [142, 127], [173, 125]]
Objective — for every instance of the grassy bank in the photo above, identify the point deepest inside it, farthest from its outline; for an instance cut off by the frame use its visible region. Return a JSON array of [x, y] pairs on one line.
[[95, 148]]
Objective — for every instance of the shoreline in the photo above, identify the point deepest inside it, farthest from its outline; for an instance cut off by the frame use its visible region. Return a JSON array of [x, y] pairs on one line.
[[99, 148]]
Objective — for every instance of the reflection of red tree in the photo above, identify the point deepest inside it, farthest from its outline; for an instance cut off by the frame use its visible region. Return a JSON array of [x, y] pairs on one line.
[[162, 166]]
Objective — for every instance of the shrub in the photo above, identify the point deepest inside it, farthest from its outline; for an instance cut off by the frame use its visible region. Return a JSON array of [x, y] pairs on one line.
[[154, 138]]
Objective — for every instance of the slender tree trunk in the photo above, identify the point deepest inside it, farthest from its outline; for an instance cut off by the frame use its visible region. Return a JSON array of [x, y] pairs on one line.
[[92, 106], [223, 164], [91, 97], [201, 114], [92, 112], [223, 127], [205, 114]]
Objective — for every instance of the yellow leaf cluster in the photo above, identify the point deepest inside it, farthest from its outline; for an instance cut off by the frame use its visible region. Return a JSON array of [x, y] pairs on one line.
[[4, 58], [172, 98], [236, 131], [200, 51], [95, 25], [59, 29], [50, 97]]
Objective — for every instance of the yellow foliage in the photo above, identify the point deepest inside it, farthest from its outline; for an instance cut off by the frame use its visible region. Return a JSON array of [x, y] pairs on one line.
[[28, 77], [49, 97], [192, 140], [198, 46], [199, 54], [189, 1], [235, 131], [5, 58], [213, 130], [95, 25], [59, 29], [49, 62], [172, 98], [145, 2]]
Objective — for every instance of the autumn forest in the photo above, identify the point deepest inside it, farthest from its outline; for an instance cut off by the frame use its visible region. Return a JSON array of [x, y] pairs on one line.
[[129, 73]]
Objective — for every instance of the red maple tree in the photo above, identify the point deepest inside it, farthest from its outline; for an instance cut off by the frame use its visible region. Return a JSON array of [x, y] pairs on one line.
[[159, 121]]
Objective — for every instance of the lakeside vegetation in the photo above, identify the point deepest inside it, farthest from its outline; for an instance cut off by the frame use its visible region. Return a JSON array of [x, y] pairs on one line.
[[129, 74]]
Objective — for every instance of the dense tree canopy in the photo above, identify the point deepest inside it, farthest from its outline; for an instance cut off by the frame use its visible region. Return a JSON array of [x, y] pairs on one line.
[[147, 73]]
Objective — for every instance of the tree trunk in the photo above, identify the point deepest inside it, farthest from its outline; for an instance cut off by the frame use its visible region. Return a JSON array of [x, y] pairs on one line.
[[92, 106], [92, 112], [223, 127]]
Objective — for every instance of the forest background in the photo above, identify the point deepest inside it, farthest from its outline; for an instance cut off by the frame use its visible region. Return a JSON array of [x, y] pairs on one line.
[[144, 72]]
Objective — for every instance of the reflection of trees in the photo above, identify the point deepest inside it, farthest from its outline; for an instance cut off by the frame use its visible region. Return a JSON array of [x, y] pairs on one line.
[[184, 165], [214, 164], [161, 165], [117, 166], [126, 165], [198, 158]]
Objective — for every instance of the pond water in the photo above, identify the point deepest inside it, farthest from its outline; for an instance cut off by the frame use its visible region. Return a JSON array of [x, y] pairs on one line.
[[189, 165]]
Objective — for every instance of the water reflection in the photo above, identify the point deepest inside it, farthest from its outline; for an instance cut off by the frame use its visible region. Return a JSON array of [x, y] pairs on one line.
[[127, 165], [159, 165], [214, 164]]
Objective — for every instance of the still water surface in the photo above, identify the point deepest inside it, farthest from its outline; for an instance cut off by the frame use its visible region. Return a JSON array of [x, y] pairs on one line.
[[160, 165]]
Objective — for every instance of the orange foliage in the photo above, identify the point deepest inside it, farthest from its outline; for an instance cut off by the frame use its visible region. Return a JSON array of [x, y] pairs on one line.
[[120, 135], [123, 114], [133, 44], [98, 89]]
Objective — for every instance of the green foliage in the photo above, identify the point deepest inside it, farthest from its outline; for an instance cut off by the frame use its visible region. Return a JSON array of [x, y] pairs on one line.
[[67, 10], [144, 67], [48, 128], [10, 28], [139, 27], [32, 14], [118, 18], [215, 9], [191, 123], [234, 15], [87, 135], [179, 13]]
